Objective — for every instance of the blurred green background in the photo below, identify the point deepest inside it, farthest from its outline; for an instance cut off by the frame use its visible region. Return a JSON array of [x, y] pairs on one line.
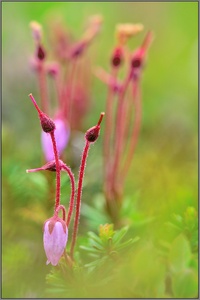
[[163, 178]]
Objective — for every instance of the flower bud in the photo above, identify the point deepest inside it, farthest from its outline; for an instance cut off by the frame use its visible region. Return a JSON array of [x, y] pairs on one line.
[[117, 57], [41, 53], [93, 133], [137, 60], [47, 124], [55, 239], [139, 55]]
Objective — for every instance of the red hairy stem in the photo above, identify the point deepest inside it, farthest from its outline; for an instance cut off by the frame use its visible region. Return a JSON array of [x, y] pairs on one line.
[[124, 138], [57, 202], [43, 87], [136, 129], [100, 119], [61, 207], [110, 80], [69, 90], [108, 120], [35, 104], [108, 135], [128, 119], [91, 136], [126, 130], [48, 126], [119, 131], [78, 198], [58, 90], [71, 203], [147, 41]]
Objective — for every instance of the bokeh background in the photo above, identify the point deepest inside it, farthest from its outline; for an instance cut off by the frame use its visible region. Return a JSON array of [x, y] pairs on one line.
[[162, 180]]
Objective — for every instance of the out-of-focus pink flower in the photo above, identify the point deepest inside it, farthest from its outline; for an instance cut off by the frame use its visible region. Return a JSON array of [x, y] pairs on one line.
[[62, 133], [52, 68], [55, 239]]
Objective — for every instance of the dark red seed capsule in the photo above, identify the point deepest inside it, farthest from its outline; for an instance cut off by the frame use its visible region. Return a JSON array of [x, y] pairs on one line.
[[41, 53], [117, 57], [47, 124], [92, 134], [136, 62]]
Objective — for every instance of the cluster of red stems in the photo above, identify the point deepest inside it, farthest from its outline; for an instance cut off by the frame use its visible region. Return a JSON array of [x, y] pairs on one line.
[[121, 129], [67, 66], [123, 114]]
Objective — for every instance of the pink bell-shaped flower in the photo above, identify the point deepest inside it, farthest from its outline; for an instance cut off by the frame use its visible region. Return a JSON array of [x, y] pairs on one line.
[[62, 133], [55, 239]]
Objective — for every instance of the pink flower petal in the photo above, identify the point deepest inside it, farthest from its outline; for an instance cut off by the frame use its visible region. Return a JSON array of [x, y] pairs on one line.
[[54, 241], [62, 133]]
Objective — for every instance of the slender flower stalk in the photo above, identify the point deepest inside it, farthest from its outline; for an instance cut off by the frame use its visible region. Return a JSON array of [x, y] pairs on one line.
[[78, 199], [57, 203], [61, 207], [108, 119], [114, 87], [51, 166], [35, 104], [108, 128], [53, 69], [71, 203], [116, 62], [119, 131], [70, 90], [108, 79], [90, 137], [136, 129], [43, 87]]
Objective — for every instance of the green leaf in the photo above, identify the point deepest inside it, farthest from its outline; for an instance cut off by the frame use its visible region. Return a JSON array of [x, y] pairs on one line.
[[94, 237], [173, 226], [180, 254], [93, 216], [119, 235], [89, 249], [127, 243], [95, 244], [185, 284], [177, 218], [96, 263]]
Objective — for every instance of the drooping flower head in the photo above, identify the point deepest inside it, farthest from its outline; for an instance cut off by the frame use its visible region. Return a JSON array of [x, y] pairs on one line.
[[54, 239]]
